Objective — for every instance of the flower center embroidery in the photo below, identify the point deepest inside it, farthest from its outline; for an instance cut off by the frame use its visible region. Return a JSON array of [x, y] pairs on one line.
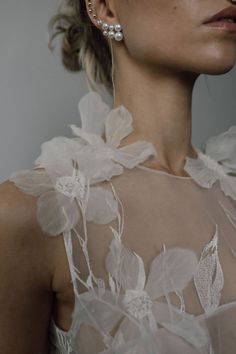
[[72, 186], [138, 303]]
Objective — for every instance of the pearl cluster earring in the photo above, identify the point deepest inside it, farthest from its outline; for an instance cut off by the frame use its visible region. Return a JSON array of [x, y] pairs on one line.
[[110, 31]]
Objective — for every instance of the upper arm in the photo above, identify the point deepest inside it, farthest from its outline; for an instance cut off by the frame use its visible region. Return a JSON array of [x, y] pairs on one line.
[[26, 274]]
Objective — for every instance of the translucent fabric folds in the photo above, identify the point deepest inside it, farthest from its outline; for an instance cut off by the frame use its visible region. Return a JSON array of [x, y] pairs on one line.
[[152, 256]]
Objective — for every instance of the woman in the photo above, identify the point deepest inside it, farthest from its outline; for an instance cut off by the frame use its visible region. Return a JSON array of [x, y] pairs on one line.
[[122, 238]]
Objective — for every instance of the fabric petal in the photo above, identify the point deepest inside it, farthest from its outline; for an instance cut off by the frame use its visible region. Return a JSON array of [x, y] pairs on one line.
[[87, 137], [222, 148], [118, 125], [208, 278], [32, 182], [171, 271], [181, 324], [56, 213], [102, 314], [130, 274], [102, 207], [96, 164], [134, 339], [190, 330], [141, 278], [231, 216], [133, 154], [204, 170], [93, 112], [184, 332], [145, 344], [57, 155], [228, 186]]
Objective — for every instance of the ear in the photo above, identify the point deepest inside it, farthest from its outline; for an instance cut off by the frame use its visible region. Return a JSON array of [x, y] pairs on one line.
[[103, 10]]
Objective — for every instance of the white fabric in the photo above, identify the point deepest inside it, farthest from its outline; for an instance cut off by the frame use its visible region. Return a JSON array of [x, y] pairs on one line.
[[152, 256]]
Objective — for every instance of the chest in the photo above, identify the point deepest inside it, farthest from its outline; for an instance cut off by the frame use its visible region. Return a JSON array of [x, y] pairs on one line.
[[146, 236]]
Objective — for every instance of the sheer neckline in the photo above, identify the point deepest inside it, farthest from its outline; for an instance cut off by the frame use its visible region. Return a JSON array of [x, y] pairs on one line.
[[152, 170], [156, 171]]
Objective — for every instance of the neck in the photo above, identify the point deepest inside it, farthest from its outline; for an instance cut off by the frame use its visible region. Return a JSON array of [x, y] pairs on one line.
[[160, 104]]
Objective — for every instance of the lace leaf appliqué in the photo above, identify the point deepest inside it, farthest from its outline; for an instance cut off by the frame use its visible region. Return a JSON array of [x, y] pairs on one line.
[[208, 278]]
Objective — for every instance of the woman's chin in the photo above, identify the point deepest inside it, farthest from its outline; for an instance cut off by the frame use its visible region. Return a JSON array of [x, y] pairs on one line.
[[220, 61], [219, 68], [216, 65]]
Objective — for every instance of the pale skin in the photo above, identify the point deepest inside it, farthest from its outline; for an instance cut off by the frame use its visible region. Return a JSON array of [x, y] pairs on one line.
[[166, 48]]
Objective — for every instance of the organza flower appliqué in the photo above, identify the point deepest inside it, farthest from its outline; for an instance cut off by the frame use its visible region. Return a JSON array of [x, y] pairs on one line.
[[134, 299], [217, 163], [72, 168], [118, 125]]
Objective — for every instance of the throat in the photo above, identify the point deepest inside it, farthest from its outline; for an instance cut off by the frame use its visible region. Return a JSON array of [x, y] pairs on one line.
[[155, 164]]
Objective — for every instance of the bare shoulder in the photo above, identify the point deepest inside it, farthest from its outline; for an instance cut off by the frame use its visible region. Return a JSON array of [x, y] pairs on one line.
[[18, 224], [26, 274], [21, 234], [20, 231], [33, 268], [15, 206]]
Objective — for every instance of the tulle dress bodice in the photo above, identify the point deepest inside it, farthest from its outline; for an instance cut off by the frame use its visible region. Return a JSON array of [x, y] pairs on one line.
[[152, 256]]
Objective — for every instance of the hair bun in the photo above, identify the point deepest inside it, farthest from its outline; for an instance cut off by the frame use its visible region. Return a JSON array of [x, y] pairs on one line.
[[74, 30], [83, 46]]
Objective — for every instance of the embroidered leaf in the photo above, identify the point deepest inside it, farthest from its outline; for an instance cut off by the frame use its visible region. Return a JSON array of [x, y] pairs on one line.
[[209, 279]]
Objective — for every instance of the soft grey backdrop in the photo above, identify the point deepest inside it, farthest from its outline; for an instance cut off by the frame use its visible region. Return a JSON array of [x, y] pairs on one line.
[[38, 98]]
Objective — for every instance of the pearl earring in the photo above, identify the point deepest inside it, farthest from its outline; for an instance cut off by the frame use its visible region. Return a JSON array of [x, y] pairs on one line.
[[110, 31]]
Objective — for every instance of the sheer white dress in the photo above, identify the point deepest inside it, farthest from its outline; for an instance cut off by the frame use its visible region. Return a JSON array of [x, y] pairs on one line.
[[152, 256]]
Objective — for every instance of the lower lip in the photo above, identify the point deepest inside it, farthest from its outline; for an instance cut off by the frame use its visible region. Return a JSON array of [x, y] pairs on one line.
[[229, 26]]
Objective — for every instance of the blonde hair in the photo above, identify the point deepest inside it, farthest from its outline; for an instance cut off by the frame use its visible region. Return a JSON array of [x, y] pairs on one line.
[[83, 46]]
